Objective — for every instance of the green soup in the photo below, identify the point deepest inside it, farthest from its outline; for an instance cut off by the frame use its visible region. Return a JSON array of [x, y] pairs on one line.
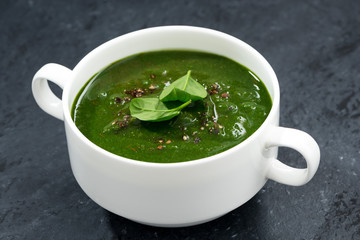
[[236, 105]]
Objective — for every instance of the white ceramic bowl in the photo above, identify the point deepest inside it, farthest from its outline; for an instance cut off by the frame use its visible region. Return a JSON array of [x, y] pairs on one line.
[[175, 194]]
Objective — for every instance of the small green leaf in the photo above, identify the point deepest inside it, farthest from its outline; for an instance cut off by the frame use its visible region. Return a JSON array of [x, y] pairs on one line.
[[183, 89], [153, 110]]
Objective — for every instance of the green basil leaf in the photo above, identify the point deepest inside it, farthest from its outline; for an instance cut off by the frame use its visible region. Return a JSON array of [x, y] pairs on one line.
[[153, 110], [183, 89]]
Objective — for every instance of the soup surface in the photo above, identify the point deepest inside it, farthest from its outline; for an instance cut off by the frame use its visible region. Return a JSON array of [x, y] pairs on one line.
[[236, 105]]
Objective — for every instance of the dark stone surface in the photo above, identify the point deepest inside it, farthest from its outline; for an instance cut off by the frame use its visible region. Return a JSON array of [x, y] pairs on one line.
[[313, 47]]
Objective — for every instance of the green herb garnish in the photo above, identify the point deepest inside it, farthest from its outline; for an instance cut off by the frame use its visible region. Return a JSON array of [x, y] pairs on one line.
[[176, 96], [183, 89], [153, 110]]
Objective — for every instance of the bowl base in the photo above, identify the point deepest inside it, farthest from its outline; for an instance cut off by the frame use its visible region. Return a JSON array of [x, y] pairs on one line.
[[178, 225]]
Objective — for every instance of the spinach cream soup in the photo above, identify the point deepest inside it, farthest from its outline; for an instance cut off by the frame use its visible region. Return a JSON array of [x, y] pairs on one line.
[[235, 104]]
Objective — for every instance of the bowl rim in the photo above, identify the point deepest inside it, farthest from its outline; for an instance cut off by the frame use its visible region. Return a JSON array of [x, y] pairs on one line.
[[272, 114]]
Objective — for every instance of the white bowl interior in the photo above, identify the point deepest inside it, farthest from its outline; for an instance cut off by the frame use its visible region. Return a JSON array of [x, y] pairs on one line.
[[163, 38]]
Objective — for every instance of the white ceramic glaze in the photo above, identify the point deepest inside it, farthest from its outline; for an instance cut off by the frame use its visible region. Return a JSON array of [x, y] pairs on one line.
[[175, 194]]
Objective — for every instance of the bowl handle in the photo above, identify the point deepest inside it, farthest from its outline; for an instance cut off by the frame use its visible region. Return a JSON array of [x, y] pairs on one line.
[[301, 142], [43, 95]]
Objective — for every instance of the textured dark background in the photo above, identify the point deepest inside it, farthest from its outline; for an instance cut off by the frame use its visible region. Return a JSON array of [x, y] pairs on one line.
[[313, 47]]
